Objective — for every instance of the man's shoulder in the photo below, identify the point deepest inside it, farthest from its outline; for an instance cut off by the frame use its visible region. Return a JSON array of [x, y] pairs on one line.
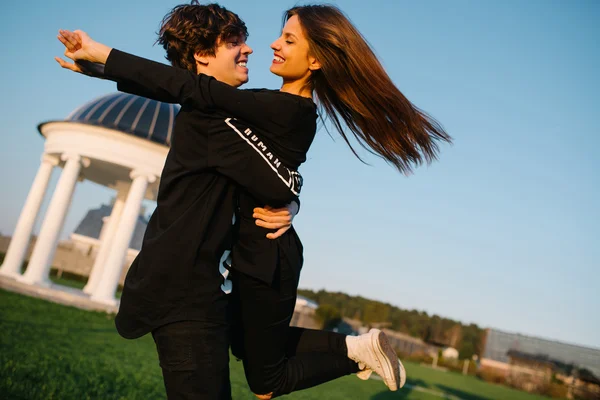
[[283, 99], [260, 90]]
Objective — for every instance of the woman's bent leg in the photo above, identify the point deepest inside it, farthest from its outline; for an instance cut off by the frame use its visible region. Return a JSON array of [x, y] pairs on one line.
[[304, 340], [277, 358]]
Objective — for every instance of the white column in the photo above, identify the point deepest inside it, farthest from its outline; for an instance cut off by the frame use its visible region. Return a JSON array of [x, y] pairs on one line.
[[109, 230], [45, 247], [104, 228], [22, 234], [105, 291]]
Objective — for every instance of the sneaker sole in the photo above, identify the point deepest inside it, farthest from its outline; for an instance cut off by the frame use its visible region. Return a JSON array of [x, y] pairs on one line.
[[389, 361], [402, 374]]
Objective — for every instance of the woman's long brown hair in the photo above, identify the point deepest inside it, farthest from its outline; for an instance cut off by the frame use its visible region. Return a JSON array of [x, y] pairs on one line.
[[353, 88]]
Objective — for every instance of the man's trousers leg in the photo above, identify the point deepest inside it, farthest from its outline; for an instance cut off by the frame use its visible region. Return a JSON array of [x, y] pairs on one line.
[[194, 357]]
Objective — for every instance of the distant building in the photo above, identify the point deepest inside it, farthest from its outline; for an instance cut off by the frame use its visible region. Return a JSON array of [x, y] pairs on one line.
[[304, 313], [498, 344], [302, 301], [90, 232], [408, 345], [530, 363]]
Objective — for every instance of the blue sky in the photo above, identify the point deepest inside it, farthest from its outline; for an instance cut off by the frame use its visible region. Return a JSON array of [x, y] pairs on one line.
[[502, 231]]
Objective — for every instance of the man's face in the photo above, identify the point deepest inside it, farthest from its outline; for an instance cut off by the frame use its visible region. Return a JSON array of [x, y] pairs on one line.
[[229, 63]]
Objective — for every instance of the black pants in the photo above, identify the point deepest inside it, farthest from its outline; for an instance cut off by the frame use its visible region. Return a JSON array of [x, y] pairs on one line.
[[277, 358], [194, 357]]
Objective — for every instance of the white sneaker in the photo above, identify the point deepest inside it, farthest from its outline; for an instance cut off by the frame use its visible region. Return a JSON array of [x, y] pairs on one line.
[[373, 351], [365, 373]]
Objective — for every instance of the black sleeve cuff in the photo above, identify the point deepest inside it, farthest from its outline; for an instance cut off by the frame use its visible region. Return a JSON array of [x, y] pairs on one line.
[[94, 70], [111, 67]]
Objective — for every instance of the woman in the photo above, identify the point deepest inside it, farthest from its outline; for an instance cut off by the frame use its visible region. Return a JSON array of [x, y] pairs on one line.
[[319, 53]]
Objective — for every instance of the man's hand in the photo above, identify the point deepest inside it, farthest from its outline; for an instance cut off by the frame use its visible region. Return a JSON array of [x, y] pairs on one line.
[[80, 47], [276, 218]]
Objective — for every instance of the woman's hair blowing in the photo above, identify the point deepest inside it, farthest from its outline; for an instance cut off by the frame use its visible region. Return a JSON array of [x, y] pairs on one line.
[[353, 88]]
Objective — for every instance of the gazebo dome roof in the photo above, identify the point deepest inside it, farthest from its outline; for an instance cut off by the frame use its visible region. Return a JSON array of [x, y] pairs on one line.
[[130, 114]]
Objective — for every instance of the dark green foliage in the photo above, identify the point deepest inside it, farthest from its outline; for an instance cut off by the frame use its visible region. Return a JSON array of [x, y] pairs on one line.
[[328, 315], [467, 339]]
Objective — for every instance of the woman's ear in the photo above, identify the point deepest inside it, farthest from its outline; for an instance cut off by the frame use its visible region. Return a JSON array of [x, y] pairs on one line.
[[313, 64]]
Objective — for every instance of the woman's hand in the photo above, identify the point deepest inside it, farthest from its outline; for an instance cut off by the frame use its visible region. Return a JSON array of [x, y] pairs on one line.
[[276, 218], [79, 47]]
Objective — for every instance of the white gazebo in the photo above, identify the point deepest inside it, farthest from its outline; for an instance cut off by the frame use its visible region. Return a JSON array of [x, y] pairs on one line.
[[119, 141]]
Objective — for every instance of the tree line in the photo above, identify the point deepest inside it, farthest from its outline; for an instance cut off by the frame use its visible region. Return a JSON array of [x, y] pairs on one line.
[[467, 339]]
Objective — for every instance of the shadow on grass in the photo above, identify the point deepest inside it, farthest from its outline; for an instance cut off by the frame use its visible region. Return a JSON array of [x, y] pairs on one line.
[[418, 385], [461, 394], [403, 393], [416, 382]]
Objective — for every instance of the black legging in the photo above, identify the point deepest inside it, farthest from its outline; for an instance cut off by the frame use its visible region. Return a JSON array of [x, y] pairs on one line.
[[277, 358]]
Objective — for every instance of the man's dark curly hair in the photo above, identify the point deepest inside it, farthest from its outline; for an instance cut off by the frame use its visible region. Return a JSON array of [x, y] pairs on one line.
[[196, 28]]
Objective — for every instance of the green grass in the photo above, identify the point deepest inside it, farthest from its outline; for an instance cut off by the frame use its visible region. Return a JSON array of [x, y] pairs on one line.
[[49, 351], [67, 281]]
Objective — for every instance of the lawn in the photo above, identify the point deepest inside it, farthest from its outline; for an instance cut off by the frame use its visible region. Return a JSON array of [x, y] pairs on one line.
[[49, 351]]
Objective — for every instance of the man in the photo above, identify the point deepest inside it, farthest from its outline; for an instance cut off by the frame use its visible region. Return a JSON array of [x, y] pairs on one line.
[[177, 288]]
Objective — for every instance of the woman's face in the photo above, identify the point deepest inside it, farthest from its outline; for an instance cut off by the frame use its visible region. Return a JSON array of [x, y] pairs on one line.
[[291, 59]]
